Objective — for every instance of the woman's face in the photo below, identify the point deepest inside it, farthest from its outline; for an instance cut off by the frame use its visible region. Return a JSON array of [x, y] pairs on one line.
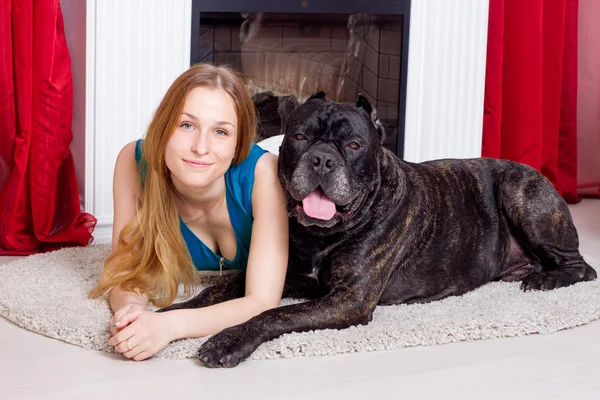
[[203, 145]]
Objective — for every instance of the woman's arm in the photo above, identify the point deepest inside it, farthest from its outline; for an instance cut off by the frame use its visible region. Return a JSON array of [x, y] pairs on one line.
[[149, 332], [267, 262], [119, 298], [126, 186]]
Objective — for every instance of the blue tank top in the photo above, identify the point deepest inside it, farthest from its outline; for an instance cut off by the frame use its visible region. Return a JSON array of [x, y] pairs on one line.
[[239, 181]]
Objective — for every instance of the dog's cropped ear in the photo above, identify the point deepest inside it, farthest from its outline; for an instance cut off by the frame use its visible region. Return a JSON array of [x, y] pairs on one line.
[[363, 103], [318, 95]]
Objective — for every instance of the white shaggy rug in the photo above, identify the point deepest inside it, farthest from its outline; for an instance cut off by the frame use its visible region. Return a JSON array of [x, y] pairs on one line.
[[47, 294]]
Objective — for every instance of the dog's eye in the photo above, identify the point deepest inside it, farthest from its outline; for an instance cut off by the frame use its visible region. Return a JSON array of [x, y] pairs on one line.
[[299, 136], [354, 146]]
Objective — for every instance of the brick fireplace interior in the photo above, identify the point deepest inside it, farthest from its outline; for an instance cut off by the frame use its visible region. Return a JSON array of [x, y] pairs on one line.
[[286, 57]]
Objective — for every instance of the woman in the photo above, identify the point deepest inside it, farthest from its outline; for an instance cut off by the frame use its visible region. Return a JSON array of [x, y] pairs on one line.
[[196, 194]]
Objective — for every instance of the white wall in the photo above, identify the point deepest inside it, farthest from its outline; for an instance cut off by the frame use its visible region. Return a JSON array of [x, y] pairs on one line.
[[74, 12]]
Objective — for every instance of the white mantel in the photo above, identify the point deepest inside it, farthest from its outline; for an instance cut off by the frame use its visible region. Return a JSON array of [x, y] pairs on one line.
[[136, 48], [446, 79]]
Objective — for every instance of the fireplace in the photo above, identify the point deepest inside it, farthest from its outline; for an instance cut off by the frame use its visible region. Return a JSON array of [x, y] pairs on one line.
[[289, 50]]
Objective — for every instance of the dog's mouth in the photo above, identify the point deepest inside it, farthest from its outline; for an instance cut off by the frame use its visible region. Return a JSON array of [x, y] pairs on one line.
[[319, 206]]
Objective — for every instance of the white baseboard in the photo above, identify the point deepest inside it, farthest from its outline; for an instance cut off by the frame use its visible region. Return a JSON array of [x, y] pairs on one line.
[[103, 232]]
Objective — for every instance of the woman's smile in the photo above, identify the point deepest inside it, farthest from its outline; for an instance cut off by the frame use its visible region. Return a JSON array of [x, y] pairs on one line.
[[197, 164]]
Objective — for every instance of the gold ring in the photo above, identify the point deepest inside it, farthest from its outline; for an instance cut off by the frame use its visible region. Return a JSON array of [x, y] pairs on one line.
[[128, 345]]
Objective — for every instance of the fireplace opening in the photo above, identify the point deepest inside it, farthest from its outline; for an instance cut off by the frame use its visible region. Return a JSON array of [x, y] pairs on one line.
[[288, 56]]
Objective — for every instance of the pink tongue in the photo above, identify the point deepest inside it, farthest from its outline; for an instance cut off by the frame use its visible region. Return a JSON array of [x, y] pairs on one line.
[[318, 205]]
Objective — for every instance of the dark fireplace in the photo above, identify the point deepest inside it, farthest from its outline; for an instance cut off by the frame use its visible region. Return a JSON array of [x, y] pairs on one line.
[[289, 50]]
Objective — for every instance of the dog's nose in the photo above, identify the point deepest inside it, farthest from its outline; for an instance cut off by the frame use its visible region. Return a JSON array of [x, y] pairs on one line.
[[322, 161]]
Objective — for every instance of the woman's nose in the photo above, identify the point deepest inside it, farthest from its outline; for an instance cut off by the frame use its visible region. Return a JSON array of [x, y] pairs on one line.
[[201, 143]]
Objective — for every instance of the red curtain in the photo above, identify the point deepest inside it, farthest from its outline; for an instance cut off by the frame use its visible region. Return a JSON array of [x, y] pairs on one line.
[[39, 197], [530, 105], [588, 100]]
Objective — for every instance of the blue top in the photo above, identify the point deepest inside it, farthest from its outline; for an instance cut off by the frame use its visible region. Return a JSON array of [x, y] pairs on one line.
[[239, 180]]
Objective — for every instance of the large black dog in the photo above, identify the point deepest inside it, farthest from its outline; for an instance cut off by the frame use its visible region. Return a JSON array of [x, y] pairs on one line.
[[367, 228]]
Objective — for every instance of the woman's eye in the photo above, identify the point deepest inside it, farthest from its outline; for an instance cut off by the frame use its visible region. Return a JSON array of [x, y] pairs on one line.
[[221, 132], [299, 136], [354, 145], [186, 125]]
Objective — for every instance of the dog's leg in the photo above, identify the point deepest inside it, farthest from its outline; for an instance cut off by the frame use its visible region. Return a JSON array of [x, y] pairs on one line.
[[229, 290], [347, 305], [541, 222]]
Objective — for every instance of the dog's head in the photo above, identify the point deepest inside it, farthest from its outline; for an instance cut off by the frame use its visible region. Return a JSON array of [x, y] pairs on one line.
[[329, 160]]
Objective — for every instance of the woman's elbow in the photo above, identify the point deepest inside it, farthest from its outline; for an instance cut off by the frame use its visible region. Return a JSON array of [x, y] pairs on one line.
[[264, 304]]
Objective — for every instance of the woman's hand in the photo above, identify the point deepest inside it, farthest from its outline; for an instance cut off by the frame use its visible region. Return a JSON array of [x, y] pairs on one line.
[[145, 334], [117, 323]]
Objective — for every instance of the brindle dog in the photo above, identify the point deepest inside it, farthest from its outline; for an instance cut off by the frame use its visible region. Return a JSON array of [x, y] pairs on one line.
[[367, 228]]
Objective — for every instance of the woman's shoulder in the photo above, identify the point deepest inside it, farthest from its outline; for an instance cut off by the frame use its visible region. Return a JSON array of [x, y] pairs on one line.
[[127, 157], [129, 149], [240, 178], [266, 166], [129, 165], [138, 147], [245, 170]]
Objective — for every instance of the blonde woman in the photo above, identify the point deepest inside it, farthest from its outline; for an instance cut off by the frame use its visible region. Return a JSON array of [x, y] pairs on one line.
[[195, 194]]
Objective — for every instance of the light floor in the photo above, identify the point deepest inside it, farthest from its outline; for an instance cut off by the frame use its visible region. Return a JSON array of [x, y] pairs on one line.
[[565, 365]]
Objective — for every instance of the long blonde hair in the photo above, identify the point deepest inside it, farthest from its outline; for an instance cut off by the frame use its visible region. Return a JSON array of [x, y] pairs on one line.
[[151, 256]]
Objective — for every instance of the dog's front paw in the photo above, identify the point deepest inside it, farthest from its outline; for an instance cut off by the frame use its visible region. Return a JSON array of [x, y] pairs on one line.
[[228, 348], [546, 280]]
